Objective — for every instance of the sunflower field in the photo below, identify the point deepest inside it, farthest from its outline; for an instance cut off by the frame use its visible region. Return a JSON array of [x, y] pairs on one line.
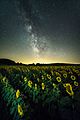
[[40, 92]]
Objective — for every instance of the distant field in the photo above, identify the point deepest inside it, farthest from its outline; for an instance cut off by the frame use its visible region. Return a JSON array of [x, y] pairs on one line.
[[40, 92]]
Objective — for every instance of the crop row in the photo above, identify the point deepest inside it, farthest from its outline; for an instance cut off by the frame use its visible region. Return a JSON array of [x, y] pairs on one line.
[[31, 92]]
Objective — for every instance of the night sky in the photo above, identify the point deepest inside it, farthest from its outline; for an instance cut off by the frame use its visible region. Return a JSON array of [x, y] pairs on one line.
[[45, 31]]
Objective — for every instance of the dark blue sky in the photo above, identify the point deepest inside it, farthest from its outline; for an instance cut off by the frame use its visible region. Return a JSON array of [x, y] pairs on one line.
[[40, 31]]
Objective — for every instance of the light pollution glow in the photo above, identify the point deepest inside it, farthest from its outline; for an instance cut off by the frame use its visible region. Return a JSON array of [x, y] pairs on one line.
[[45, 60]]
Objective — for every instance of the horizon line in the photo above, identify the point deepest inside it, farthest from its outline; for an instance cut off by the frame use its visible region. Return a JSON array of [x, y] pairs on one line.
[[40, 62]]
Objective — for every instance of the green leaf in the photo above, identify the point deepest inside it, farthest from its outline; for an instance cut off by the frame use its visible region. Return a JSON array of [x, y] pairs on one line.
[[19, 100], [14, 103]]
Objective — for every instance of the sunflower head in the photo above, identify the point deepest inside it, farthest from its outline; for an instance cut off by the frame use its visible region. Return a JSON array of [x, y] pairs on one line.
[[73, 77], [43, 86], [69, 89], [75, 83], [17, 93], [20, 111], [58, 79], [30, 83], [65, 75]]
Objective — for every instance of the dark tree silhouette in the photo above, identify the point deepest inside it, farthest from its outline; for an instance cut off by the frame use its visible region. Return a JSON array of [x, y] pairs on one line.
[[4, 61]]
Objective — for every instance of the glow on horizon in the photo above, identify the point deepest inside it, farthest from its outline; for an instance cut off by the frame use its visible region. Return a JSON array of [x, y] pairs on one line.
[[47, 61]]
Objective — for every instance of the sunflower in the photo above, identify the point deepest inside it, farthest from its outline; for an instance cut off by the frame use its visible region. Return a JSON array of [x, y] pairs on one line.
[[58, 79], [48, 76], [69, 89], [73, 77], [75, 83], [54, 85], [30, 83], [43, 86], [25, 79], [57, 74], [20, 111], [65, 75], [17, 93]]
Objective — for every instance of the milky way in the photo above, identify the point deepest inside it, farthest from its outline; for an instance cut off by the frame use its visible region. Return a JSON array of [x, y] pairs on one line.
[[54, 21], [37, 41], [40, 30]]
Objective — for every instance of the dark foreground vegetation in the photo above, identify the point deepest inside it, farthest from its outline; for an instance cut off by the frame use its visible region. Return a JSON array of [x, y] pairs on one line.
[[40, 92]]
